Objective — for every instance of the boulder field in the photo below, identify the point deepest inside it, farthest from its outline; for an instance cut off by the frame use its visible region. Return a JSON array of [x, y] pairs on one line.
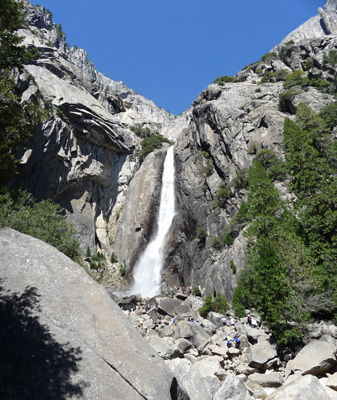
[[207, 367]]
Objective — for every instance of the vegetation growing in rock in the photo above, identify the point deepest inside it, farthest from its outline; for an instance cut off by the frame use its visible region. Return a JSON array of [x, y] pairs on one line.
[[18, 120], [196, 291], [222, 196], [201, 233], [207, 161], [143, 132], [219, 304], [217, 242], [149, 144], [44, 220], [290, 274], [225, 79]]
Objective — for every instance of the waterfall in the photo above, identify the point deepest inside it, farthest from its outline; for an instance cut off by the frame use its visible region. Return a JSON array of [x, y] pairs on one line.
[[147, 271]]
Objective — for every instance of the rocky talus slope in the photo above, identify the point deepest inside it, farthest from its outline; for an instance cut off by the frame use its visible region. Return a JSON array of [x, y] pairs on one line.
[[207, 367]]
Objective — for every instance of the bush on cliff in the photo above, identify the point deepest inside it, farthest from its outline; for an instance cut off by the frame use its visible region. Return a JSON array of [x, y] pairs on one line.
[[43, 220], [149, 144]]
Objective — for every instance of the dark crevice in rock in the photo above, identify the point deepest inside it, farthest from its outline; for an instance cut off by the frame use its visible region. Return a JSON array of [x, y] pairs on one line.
[[323, 26], [123, 377]]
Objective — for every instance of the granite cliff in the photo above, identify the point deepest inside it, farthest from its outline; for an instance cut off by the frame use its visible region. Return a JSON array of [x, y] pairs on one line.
[[86, 154]]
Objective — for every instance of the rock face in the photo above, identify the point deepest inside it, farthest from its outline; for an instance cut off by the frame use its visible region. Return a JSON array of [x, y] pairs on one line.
[[321, 25], [63, 336], [84, 154], [220, 134]]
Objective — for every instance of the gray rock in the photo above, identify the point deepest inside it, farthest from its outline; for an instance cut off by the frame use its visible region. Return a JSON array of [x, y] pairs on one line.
[[302, 388], [332, 381], [67, 316], [316, 358], [168, 306], [190, 379], [208, 365], [259, 354], [166, 349], [256, 390], [232, 389], [272, 379], [183, 344], [209, 327], [191, 331], [215, 318]]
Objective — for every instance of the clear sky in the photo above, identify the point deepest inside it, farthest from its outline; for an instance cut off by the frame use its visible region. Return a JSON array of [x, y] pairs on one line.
[[170, 50]]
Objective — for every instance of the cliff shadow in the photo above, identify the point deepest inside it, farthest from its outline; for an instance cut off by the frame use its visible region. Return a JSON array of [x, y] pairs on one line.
[[33, 364]]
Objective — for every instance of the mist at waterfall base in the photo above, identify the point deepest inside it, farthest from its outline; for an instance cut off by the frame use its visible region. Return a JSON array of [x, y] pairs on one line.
[[147, 271]]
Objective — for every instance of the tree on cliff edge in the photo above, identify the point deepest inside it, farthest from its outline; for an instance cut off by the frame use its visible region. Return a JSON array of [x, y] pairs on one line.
[[18, 120]]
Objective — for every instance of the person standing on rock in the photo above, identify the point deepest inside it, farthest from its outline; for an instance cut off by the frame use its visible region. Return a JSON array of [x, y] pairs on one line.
[[249, 320], [223, 320], [141, 322]]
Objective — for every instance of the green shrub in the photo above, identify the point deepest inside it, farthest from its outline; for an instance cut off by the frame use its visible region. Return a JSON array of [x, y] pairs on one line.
[[207, 162], [219, 304], [331, 58], [222, 196], [217, 242], [98, 256], [329, 115], [285, 47], [207, 307], [122, 270], [233, 266], [296, 78], [196, 291], [228, 239], [240, 181], [257, 90], [43, 220], [142, 132], [201, 233], [93, 265], [286, 98], [269, 56], [149, 144], [309, 63], [225, 79], [88, 253], [113, 258]]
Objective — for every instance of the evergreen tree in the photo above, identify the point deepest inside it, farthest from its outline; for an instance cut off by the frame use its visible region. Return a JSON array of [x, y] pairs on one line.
[[18, 121]]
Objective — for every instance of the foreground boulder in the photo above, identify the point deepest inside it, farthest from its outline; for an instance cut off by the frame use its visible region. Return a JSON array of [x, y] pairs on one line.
[[301, 388], [316, 358], [63, 337]]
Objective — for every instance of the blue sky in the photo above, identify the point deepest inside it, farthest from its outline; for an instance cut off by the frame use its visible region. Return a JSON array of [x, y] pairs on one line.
[[170, 50]]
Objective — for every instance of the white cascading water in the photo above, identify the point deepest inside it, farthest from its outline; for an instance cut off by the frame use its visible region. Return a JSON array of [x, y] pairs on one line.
[[147, 271]]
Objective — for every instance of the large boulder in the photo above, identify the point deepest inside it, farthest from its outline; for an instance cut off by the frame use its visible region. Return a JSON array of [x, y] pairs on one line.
[[259, 354], [168, 306], [165, 348], [273, 379], [300, 388], [232, 389], [316, 358], [190, 378], [191, 331], [62, 335]]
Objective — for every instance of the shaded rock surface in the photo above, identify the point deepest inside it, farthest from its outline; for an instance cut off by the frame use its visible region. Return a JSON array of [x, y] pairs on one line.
[[65, 314]]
